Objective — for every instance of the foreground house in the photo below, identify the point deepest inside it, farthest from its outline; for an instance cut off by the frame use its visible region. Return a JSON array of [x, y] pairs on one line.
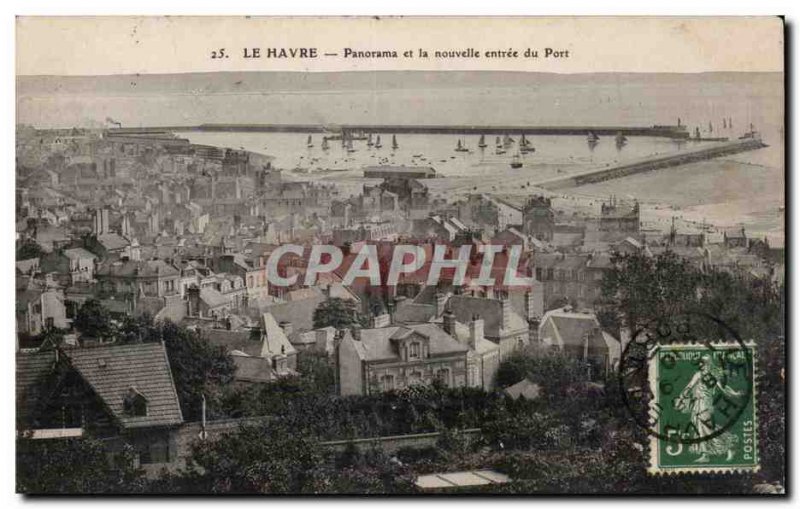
[[118, 393], [388, 358], [580, 336]]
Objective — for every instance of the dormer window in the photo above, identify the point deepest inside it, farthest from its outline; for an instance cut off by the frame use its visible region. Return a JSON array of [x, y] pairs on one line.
[[413, 350], [134, 403]]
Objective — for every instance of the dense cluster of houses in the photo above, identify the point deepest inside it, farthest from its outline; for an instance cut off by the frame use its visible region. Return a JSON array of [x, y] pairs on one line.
[[149, 223]]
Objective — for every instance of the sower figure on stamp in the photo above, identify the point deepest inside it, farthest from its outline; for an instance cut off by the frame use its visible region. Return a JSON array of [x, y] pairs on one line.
[[698, 399]]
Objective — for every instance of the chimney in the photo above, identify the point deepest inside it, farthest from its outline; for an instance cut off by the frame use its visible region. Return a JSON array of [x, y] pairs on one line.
[[475, 331], [381, 320], [390, 311], [321, 340], [287, 327], [449, 322], [505, 305], [193, 300], [441, 299], [533, 329]]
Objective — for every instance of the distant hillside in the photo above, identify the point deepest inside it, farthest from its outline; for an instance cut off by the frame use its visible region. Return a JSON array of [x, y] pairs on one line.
[[255, 82]]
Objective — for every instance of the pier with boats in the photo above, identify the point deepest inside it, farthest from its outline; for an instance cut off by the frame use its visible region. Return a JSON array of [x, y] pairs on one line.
[[359, 132]]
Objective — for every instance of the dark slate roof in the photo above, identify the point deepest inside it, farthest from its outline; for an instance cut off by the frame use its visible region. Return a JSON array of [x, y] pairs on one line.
[[31, 370], [378, 344], [489, 310], [524, 389], [233, 340], [415, 313], [112, 241], [253, 369], [299, 313], [112, 370], [133, 268], [25, 297]]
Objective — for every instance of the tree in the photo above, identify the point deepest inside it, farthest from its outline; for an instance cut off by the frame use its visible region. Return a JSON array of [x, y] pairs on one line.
[[94, 320], [198, 368], [640, 290], [338, 313], [28, 250], [74, 466], [317, 369], [555, 372], [270, 458]]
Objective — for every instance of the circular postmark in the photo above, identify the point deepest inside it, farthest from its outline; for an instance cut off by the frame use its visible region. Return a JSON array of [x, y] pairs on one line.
[[687, 379]]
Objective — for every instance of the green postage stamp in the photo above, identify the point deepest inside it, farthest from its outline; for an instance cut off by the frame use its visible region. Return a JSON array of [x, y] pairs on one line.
[[703, 408]]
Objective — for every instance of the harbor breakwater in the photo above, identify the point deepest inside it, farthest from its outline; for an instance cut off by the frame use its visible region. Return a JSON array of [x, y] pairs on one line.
[[652, 163]]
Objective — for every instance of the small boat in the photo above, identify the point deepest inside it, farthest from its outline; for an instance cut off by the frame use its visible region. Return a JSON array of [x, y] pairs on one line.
[[350, 148], [310, 142], [325, 144], [499, 150], [369, 140], [525, 145], [620, 139], [395, 146], [460, 147], [592, 137], [378, 142], [507, 140], [482, 141], [516, 161]]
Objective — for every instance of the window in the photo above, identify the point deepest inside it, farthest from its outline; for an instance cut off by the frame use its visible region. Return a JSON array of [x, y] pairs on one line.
[[134, 403], [415, 378], [443, 376], [156, 452], [387, 383], [413, 351]]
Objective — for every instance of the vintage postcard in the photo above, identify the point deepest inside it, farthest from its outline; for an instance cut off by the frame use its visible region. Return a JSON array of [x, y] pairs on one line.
[[401, 255]]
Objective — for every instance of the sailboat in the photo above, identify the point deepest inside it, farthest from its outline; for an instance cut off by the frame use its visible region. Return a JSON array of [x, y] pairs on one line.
[[461, 148], [498, 146], [350, 148], [620, 139], [309, 143], [592, 137], [516, 161], [525, 145], [369, 140], [378, 142], [325, 144], [395, 146], [482, 141], [507, 141]]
